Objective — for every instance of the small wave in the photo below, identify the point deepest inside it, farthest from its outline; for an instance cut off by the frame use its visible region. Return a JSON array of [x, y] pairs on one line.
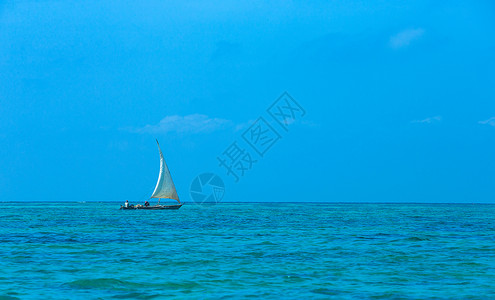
[[294, 278], [416, 239], [136, 296], [326, 292], [256, 254], [102, 283], [266, 243], [366, 237], [182, 285], [89, 251]]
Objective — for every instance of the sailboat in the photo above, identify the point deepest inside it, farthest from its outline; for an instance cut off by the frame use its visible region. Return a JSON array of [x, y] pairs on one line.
[[164, 189]]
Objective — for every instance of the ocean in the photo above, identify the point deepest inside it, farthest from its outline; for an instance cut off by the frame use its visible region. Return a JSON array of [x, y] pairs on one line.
[[247, 250]]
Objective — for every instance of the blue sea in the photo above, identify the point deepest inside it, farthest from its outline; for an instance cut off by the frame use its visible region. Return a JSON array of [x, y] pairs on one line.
[[247, 250]]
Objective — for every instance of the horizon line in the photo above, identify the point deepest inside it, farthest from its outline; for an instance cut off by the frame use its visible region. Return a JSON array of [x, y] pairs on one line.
[[228, 202]]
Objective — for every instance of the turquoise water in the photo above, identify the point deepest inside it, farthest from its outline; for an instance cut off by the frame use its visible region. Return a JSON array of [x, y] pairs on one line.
[[295, 251]]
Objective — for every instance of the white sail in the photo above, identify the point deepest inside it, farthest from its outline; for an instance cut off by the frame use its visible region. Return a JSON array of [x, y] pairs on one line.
[[165, 187]]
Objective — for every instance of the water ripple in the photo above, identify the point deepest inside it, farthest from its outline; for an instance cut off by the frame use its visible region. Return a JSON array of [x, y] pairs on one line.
[[267, 250]]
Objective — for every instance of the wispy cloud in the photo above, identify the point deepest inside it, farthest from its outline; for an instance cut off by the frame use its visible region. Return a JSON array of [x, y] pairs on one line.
[[405, 37], [198, 123], [195, 123], [244, 126], [305, 123], [490, 122], [428, 120]]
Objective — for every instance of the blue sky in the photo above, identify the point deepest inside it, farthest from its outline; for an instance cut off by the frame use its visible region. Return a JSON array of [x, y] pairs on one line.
[[399, 98]]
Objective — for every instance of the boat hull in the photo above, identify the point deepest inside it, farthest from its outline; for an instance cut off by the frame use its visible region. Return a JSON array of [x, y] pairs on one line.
[[154, 207]]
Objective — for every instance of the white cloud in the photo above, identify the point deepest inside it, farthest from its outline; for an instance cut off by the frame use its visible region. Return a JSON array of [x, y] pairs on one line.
[[244, 126], [490, 122], [405, 37], [195, 123], [198, 123], [429, 120]]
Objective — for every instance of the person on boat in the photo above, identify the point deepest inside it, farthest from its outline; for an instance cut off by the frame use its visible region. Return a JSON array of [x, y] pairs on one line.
[[126, 205], [146, 203]]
